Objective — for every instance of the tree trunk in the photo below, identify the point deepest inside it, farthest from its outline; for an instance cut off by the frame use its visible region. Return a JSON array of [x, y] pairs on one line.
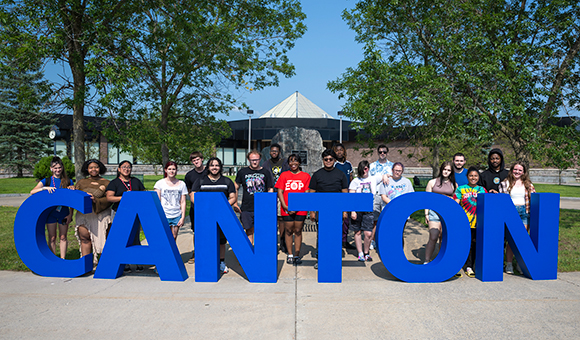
[[78, 117], [435, 161], [163, 125]]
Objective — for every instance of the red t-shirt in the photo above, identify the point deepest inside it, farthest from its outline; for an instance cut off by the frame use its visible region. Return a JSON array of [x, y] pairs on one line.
[[290, 182]]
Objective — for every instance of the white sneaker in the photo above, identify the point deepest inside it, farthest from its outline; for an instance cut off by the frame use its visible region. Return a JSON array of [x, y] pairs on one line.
[[509, 268], [373, 245], [223, 268]]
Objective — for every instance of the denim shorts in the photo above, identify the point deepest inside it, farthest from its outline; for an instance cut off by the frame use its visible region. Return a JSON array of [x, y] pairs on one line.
[[57, 215], [523, 214], [173, 221], [433, 216]]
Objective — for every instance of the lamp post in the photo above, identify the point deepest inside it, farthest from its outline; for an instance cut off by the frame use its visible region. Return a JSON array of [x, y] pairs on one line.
[[340, 114], [250, 113]]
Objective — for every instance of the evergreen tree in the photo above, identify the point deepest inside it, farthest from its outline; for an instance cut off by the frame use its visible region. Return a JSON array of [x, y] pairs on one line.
[[24, 127]]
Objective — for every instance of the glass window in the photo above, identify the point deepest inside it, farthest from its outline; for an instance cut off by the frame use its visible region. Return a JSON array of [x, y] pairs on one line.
[[228, 157], [241, 157]]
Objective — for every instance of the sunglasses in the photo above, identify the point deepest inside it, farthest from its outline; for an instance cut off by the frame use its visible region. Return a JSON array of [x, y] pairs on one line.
[[385, 152]]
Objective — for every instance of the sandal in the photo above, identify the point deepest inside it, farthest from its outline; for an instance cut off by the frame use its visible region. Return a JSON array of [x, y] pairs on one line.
[[297, 260], [458, 274], [470, 272]]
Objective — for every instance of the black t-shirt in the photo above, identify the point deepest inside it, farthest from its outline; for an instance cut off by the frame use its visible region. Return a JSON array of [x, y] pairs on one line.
[[205, 184], [253, 181], [119, 186], [328, 180], [276, 168], [190, 177]]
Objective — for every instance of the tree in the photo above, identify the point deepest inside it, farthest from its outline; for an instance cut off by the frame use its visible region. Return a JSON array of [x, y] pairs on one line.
[[65, 31], [181, 62], [25, 124], [503, 67]]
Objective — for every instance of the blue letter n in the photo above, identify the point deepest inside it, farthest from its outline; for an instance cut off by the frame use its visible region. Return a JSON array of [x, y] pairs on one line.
[[537, 253]]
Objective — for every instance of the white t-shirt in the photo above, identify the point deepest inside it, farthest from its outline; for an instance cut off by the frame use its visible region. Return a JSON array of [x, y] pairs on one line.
[[395, 189], [171, 197], [365, 185]]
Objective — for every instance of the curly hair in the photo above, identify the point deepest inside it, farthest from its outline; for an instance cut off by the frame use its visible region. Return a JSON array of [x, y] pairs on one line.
[[85, 168]]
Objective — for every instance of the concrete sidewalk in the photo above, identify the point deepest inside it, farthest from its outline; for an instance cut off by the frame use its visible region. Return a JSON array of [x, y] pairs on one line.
[[370, 303]]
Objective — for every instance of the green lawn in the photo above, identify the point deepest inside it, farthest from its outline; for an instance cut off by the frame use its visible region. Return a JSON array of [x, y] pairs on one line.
[[17, 185]]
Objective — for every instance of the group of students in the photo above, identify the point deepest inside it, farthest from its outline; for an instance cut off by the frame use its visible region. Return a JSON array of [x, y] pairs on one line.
[[464, 185], [91, 229], [382, 178]]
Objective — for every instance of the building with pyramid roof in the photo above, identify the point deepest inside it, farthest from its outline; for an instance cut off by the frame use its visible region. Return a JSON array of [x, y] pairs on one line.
[[294, 111], [296, 106]]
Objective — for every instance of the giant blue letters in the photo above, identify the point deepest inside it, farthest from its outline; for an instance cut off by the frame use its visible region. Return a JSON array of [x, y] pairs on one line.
[[455, 242], [139, 207], [259, 261], [536, 253], [30, 239], [330, 207]]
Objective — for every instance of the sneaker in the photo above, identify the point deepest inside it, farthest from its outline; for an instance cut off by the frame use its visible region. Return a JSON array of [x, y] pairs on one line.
[[297, 260], [191, 260], [223, 268], [368, 258], [290, 259], [316, 265], [127, 269], [509, 268], [361, 258], [373, 245], [425, 262], [469, 272], [347, 245], [139, 269]]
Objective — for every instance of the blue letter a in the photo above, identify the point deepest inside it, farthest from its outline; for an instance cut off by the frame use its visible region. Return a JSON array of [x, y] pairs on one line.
[[537, 253], [259, 261], [161, 251]]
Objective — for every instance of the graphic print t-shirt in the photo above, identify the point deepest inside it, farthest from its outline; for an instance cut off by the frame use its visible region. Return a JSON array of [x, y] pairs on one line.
[[252, 182], [395, 189], [468, 200], [290, 182], [171, 197]]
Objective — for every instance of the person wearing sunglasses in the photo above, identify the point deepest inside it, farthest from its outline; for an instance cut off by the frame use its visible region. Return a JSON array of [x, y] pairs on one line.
[[327, 179], [381, 167]]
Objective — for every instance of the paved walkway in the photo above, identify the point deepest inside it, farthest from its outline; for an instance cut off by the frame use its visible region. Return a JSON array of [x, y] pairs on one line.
[[369, 304]]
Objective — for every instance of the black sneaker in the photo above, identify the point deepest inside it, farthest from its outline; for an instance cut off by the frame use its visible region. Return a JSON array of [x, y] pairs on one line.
[[127, 269], [347, 245]]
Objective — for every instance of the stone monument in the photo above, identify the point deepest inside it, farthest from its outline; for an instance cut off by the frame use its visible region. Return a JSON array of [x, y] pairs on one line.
[[305, 142]]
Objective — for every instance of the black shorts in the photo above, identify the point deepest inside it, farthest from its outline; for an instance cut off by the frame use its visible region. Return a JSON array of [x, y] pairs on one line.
[[291, 218], [247, 219], [363, 222]]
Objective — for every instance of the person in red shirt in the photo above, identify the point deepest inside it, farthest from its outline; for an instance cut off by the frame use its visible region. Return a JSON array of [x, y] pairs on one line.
[[293, 180]]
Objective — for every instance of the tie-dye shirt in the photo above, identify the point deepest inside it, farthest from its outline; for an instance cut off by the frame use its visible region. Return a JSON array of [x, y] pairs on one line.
[[467, 197]]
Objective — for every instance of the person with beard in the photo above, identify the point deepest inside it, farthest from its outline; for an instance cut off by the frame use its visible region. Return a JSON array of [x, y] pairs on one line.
[[213, 181], [276, 164], [491, 178], [460, 171]]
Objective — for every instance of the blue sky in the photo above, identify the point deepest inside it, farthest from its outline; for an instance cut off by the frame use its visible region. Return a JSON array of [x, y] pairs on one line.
[[322, 54]]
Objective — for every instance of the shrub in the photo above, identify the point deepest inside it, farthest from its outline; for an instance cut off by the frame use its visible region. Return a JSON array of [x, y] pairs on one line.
[[42, 168]]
